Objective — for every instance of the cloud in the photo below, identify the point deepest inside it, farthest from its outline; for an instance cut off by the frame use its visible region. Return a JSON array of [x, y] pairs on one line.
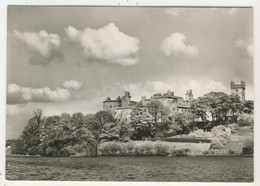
[[173, 11], [19, 94], [175, 44], [246, 46], [44, 46], [199, 89], [72, 84], [41, 42], [106, 44]]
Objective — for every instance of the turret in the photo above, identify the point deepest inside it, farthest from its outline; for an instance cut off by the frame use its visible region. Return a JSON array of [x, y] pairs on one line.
[[238, 89]]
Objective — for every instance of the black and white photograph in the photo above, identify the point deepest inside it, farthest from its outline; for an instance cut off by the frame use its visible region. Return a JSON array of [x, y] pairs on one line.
[[132, 94]]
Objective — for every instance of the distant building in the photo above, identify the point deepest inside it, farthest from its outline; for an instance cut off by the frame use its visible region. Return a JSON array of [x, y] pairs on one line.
[[238, 89], [121, 108]]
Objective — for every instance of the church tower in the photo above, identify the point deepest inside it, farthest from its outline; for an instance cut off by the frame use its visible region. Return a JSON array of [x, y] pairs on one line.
[[238, 89]]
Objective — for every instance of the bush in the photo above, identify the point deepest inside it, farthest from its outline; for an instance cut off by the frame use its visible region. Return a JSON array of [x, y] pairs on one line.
[[234, 127], [148, 147], [216, 144], [179, 152], [18, 147], [129, 147], [230, 152], [139, 150], [248, 148], [160, 149], [245, 120]]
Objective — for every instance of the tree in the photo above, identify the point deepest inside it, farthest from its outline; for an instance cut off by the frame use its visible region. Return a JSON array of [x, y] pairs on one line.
[[182, 123], [157, 110], [217, 105], [248, 107], [142, 123], [31, 133]]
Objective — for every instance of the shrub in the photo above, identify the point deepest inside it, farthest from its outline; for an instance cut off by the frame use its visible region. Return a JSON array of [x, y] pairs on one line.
[[206, 152], [216, 144], [179, 152], [248, 148], [234, 127], [139, 150], [148, 146], [122, 149], [18, 147], [129, 147], [160, 149], [104, 149], [245, 120], [231, 152]]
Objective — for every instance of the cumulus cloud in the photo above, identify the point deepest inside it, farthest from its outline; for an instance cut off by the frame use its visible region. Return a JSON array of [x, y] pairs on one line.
[[42, 42], [106, 44], [199, 89], [72, 84], [175, 44], [19, 94], [44, 45], [246, 46], [174, 11]]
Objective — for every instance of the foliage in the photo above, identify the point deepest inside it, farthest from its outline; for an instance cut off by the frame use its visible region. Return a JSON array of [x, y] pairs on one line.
[[161, 149], [248, 148], [144, 148], [248, 107], [215, 106], [18, 147], [142, 123], [245, 120], [179, 152], [216, 144], [157, 110], [63, 135], [31, 133], [234, 127], [221, 136], [182, 124]]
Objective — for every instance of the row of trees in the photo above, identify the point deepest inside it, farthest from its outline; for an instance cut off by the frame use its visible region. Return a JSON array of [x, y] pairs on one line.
[[62, 135], [219, 108]]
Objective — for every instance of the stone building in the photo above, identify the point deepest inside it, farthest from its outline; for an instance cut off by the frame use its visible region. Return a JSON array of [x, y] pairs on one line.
[[238, 89], [121, 108]]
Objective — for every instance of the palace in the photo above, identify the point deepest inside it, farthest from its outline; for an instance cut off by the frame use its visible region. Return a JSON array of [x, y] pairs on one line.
[[121, 107]]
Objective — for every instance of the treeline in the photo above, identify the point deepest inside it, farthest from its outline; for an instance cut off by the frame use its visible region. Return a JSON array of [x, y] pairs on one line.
[[79, 134]]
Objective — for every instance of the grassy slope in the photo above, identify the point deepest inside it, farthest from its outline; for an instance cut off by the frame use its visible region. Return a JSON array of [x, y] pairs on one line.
[[237, 141]]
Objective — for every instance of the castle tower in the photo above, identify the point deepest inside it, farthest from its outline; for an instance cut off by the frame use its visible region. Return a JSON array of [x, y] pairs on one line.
[[126, 99], [238, 89], [189, 96]]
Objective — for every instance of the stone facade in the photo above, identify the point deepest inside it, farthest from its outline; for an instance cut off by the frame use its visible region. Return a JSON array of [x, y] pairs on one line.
[[238, 89], [122, 107]]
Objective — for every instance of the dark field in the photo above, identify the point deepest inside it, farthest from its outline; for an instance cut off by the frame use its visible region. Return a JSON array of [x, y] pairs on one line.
[[193, 169]]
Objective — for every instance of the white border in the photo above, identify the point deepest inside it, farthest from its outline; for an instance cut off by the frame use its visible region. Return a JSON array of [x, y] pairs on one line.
[[214, 3]]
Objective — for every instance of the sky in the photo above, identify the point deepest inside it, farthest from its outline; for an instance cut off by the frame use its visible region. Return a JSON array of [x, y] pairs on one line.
[[70, 59]]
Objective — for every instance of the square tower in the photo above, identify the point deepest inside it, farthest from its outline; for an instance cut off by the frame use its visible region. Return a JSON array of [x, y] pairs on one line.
[[238, 89]]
